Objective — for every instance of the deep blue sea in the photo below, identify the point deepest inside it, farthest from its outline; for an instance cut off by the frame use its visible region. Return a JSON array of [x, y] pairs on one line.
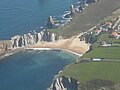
[[23, 16], [32, 70]]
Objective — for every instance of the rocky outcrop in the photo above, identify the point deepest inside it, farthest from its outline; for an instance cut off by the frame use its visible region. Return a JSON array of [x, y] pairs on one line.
[[4, 47], [72, 9], [64, 83], [96, 0], [31, 39], [72, 12], [50, 22]]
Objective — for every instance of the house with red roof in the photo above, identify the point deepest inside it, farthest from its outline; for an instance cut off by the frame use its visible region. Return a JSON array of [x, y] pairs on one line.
[[97, 32], [115, 34]]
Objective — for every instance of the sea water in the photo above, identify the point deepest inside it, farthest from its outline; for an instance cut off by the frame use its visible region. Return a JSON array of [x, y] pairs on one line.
[[23, 16], [32, 69]]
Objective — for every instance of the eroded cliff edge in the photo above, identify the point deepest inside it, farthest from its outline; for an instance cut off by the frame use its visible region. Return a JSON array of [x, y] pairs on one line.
[[18, 42], [64, 83], [30, 39]]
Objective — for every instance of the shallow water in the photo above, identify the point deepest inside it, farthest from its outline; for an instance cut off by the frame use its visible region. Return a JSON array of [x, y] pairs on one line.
[[32, 70]]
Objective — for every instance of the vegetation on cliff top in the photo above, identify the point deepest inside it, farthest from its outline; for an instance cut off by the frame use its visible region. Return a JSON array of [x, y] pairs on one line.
[[107, 70], [93, 70]]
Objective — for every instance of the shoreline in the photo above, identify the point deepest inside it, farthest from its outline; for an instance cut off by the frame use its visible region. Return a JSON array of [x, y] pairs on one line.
[[72, 45], [81, 15], [44, 45], [51, 49]]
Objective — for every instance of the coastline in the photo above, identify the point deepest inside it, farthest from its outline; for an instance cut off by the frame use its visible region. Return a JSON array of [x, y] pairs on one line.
[[77, 54], [11, 52], [77, 23], [68, 45], [72, 45]]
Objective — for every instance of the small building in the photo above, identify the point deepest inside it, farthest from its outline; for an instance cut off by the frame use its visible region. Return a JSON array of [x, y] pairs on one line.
[[104, 44], [118, 36], [105, 28], [97, 32], [114, 34], [96, 59], [109, 24]]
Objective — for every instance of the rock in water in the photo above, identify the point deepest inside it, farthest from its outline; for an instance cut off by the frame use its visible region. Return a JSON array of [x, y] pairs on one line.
[[50, 22], [72, 9], [96, 0]]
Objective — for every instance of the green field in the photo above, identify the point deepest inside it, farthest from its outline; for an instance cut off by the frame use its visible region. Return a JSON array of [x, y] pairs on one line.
[[93, 70], [104, 52]]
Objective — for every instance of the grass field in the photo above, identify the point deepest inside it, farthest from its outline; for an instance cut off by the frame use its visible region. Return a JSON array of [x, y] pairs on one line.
[[93, 70], [101, 52]]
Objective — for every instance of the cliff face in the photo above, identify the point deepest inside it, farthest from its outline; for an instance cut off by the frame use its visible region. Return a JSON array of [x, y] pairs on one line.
[[64, 83], [31, 39], [50, 22], [72, 9]]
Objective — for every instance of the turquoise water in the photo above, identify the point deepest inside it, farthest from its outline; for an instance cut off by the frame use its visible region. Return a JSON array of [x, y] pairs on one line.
[[23, 16], [32, 70]]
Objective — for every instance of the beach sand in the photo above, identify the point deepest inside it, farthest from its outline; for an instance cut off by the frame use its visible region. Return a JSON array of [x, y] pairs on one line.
[[72, 44], [82, 22]]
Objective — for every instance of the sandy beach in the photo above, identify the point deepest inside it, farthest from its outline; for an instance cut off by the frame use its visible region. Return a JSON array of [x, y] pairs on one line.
[[72, 44], [82, 22]]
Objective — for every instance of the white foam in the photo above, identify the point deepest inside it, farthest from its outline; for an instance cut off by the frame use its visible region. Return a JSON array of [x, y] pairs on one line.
[[8, 54], [38, 48], [57, 24], [66, 13], [55, 49]]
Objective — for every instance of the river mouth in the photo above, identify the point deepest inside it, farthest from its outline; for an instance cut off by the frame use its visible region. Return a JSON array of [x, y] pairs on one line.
[[32, 69]]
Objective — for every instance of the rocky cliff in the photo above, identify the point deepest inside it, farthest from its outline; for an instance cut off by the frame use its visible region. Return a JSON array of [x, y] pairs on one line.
[[64, 83], [72, 9], [31, 39], [50, 22]]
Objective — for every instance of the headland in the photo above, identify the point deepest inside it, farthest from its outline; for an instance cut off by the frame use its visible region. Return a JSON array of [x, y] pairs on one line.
[[80, 23], [70, 33]]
